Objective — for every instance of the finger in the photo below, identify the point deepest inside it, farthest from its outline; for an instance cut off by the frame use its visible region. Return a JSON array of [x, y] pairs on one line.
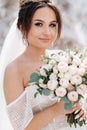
[[85, 116], [80, 114], [75, 108]]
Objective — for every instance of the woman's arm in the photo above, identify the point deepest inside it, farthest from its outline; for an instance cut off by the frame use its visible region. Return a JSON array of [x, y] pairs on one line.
[[13, 87], [43, 118], [13, 84]]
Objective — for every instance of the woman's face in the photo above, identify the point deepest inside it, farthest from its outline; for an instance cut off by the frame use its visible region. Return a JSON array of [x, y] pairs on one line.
[[43, 28]]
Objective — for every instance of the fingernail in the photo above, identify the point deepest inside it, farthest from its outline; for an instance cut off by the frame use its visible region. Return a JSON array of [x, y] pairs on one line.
[[76, 111], [81, 119], [77, 117]]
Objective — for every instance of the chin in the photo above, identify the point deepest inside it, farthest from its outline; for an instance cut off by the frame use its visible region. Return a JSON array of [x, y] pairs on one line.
[[45, 46]]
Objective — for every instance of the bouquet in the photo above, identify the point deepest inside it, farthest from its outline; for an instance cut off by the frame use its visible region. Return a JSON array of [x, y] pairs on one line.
[[64, 73]]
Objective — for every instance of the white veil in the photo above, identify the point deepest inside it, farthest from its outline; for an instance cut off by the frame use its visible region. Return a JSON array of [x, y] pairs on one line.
[[13, 46]]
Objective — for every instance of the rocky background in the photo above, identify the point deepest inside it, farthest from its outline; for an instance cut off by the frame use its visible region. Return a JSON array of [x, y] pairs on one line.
[[74, 16], [8, 12]]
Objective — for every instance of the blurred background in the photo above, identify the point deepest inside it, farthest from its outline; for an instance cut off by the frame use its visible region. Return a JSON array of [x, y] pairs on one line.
[[74, 17]]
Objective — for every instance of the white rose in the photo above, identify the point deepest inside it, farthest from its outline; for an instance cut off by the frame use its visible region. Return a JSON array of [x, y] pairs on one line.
[[52, 84], [47, 66], [42, 69], [55, 70], [60, 92], [85, 63], [42, 85], [63, 67], [80, 91], [76, 61], [45, 60], [73, 96], [83, 88], [73, 69], [52, 62], [47, 53], [72, 53], [40, 80], [42, 72], [55, 57], [64, 58], [53, 76], [81, 71], [76, 79], [55, 54], [67, 75], [61, 75], [64, 82], [82, 65]]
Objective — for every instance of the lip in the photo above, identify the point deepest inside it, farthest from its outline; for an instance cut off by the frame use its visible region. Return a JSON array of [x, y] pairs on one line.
[[44, 39]]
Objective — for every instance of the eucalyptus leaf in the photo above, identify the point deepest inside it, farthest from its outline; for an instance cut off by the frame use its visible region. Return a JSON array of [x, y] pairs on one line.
[[65, 99], [68, 106], [34, 77], [46, 92]]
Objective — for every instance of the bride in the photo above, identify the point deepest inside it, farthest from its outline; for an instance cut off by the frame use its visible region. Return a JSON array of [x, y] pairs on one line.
[[37, 28]]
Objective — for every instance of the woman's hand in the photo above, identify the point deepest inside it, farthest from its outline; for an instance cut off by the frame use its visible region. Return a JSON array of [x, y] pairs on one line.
[[58, 109], [81, 113]]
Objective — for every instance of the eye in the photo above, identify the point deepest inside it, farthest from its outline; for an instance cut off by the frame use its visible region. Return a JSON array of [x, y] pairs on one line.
[[38, 24], [53, 25]]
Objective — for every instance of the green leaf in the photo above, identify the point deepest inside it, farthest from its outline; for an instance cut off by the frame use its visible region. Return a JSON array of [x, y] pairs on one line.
[[48, 72], [35, 95], [45, 81], [65, 99], [46, 92], [68, 106], [85, 81], [40, 90], [34, 77]]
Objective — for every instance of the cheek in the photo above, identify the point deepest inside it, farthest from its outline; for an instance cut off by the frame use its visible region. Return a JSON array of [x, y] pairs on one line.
[[32, 34], [36, 33], [54, 34]]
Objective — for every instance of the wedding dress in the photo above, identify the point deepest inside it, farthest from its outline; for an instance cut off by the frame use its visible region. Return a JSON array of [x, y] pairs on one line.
[[21, 111]]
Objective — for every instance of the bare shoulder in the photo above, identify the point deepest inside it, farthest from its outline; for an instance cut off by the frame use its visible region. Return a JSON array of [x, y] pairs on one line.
[[13, 85], [12, 71]]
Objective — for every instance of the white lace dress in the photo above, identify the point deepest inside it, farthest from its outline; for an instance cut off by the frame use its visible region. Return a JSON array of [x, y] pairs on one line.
[[21, 111]]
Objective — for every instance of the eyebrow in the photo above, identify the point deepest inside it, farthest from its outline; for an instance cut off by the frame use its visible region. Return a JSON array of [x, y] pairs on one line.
[[39, 20]]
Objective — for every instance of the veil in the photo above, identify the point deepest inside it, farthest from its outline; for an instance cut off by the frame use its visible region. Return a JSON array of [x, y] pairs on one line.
[[13, 47]]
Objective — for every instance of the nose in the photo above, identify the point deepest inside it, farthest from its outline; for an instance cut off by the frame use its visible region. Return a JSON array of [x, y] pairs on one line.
[[46, 30]]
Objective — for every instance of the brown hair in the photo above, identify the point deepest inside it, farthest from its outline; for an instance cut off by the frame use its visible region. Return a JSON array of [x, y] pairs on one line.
[[27, 11]]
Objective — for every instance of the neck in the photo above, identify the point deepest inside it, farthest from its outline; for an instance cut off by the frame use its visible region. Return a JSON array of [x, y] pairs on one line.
[[34, 53]]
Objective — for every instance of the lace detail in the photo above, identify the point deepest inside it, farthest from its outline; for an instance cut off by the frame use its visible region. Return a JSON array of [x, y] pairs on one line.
[[20, 111]]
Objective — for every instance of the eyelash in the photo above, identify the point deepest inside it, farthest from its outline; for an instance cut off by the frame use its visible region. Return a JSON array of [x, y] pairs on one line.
[[40, 24], [52, 25]]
